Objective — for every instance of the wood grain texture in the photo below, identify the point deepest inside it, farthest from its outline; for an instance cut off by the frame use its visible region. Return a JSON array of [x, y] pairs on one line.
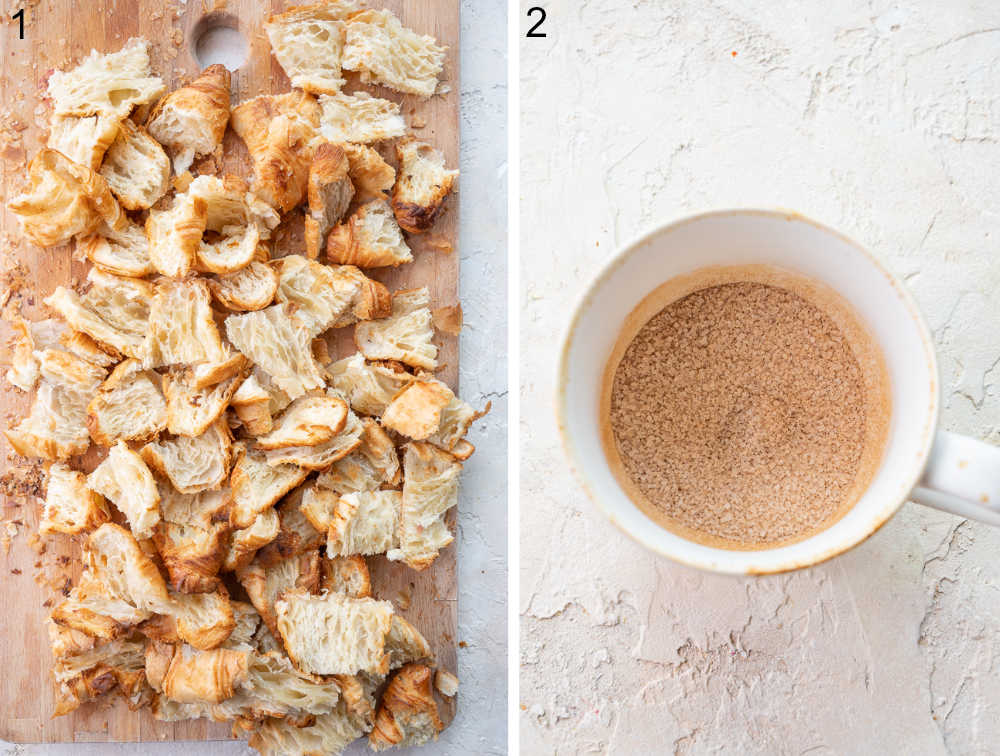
[[57, 34]]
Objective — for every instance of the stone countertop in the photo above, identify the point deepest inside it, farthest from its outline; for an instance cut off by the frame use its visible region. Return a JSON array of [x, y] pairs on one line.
[[481, 724], [881, 119]]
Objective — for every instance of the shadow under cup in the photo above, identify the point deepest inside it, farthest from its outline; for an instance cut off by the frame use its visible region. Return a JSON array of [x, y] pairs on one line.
[[741, 238]]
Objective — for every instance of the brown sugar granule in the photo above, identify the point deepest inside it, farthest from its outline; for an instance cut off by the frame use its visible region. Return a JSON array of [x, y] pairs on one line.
[[739, 412]]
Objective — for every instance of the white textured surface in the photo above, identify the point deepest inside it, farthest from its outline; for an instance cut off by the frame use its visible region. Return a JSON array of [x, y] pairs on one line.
[[881, 119], [481, 723]]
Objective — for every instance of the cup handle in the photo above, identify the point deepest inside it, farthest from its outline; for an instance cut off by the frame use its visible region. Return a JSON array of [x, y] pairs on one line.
[[962, 477]]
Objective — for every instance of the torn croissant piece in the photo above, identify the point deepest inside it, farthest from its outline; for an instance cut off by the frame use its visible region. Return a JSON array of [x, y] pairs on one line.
[[78, 613], [280, 344], [252, 405], [160, 649], [177, 242], [236, 220], [317, 505], [24, 370], [347, 575], [175, 235], [121, 253], [328, 734], [124, 479], [191, 410], [245, 627], [430, 489], [196, 676], [32, 338], [192, 554], [200, 510], [192, 120], [456, 419], [446, 683], [407, 714], [423, 185], [83, 139], [56, 425], [247, 289], [229, 203], [334, 634], [87, 349], [203, 620], [407, 335], [296, 534], [416, 410], [119, 571], [366, 522], [279, 689], [371, 466], [272, 688], [136, 167], [279, 131], [385, 52], [181, 328], [192, 464], [128, 406], [427, 410], [109, 84], [370, 238], [245, 542], [70, 506], [368, 387], [308, 421], [321, 455], [85, 669], [329, 296], [308, 42], [371, 298], [231, 253], [359, 118], [329, 192], [114, 312], [265, 585], [405, 644], [371, 175], [257, 486], [64, 199], [193, 538]]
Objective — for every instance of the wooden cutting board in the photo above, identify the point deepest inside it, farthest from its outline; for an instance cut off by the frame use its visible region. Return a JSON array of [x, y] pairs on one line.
[[57, 33]]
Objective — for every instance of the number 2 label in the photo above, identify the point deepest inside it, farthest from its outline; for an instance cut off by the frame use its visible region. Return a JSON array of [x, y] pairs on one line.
[[540, 12]]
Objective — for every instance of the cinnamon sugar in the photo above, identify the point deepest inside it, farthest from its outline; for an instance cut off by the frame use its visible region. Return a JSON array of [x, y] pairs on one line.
[[739, 412]]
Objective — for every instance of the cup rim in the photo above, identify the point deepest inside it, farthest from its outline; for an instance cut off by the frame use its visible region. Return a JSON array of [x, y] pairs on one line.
[[615, 261]]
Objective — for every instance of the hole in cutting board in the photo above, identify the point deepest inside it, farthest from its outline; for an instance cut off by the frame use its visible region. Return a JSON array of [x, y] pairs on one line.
[[216, 38]]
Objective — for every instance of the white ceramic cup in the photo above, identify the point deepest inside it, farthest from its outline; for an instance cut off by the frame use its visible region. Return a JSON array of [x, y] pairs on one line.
[[920, 463]]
